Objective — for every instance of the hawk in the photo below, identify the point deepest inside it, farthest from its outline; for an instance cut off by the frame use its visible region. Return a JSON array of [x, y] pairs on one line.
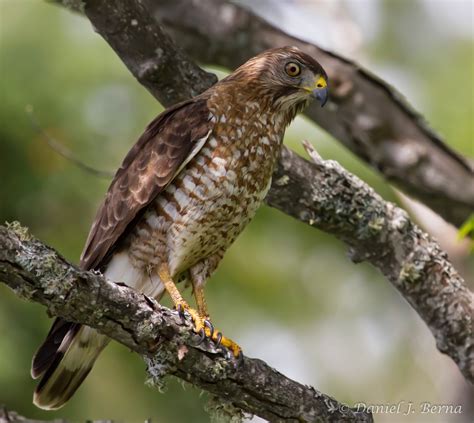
[[184, 192]]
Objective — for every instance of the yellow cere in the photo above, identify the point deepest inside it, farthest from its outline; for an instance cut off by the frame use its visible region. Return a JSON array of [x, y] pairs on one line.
[[320, 83]]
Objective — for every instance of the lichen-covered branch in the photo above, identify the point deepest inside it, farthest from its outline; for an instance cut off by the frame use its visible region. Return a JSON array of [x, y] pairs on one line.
[[147, 51], [168, 344], [366, 114], [325, 196]]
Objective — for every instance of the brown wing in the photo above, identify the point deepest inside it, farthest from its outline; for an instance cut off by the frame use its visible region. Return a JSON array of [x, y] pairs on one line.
[[168, 143]]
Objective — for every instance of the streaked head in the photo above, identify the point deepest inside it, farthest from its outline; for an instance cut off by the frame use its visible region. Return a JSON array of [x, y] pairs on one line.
[[287, 74]]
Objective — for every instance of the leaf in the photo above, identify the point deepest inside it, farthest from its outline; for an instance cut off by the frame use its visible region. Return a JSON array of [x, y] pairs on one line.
[[467, 230]]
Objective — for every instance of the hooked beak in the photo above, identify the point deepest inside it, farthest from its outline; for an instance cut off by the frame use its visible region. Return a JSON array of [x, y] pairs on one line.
[[320, 90], [321, 94]]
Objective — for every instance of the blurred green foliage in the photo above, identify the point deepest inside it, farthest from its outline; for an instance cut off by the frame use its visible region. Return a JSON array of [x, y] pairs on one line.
[[286, 292], [467, 230]]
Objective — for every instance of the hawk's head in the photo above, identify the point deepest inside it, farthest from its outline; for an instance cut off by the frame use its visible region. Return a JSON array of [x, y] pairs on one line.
[[286, 75]]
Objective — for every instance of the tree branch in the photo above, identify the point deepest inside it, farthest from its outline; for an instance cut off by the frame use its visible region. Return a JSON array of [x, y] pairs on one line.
[[327, 197], [331, 199], [168, 344], [366, 114], [147, 51]]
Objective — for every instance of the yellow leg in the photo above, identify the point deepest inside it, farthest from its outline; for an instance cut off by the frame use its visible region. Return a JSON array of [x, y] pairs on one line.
[[215, 335], [200, 300], [165, 277], [201, 315], [177, 298]]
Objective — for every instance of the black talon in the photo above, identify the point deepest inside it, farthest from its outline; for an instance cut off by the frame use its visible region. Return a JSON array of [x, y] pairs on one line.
[[219, 339], [180, 310], [202, 336], [210, 326]]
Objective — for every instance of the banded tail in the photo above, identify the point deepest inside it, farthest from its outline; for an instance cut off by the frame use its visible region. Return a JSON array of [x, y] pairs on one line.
[[64, 360], [69, 351]]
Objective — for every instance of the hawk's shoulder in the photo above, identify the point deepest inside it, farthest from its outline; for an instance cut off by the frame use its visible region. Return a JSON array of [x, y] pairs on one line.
[[167, 144]]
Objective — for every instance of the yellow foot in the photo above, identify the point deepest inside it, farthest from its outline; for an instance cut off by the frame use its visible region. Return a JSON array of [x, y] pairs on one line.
[[227, 343], [203, 326]]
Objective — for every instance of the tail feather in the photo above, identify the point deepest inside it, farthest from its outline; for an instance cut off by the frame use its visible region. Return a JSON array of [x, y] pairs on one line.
[[57, 342], [67, 355], [67, 367]]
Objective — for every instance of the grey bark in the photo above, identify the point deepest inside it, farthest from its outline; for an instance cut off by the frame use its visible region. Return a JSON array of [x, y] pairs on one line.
[[365, 113], [155, 60], [167, 343], [329, 198]]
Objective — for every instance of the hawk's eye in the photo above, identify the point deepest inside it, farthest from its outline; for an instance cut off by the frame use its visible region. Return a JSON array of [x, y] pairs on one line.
[[293, 69]]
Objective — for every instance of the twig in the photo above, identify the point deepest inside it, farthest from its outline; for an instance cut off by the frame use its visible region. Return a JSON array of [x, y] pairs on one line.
[[64, 152]]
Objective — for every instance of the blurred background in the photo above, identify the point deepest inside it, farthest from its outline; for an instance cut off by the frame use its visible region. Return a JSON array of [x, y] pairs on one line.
[[287, 293]]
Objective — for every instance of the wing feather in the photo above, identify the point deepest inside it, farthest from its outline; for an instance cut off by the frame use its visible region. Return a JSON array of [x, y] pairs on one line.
[[166, 146]]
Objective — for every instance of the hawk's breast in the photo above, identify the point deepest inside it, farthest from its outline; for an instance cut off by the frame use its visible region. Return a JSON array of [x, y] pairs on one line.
[[213, 198]]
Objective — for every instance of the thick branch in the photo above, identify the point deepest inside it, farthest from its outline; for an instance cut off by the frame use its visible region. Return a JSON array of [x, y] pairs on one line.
[[37, 273], [366, 114], [331, 199], [327, 197], [147, 51]]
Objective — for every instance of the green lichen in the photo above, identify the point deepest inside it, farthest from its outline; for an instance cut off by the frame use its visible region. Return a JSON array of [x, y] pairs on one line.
[[219, 370], [221, 411], [156, 370], [51, 273], [376, 224], [20, 231], [146, 329], [411, 272]]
